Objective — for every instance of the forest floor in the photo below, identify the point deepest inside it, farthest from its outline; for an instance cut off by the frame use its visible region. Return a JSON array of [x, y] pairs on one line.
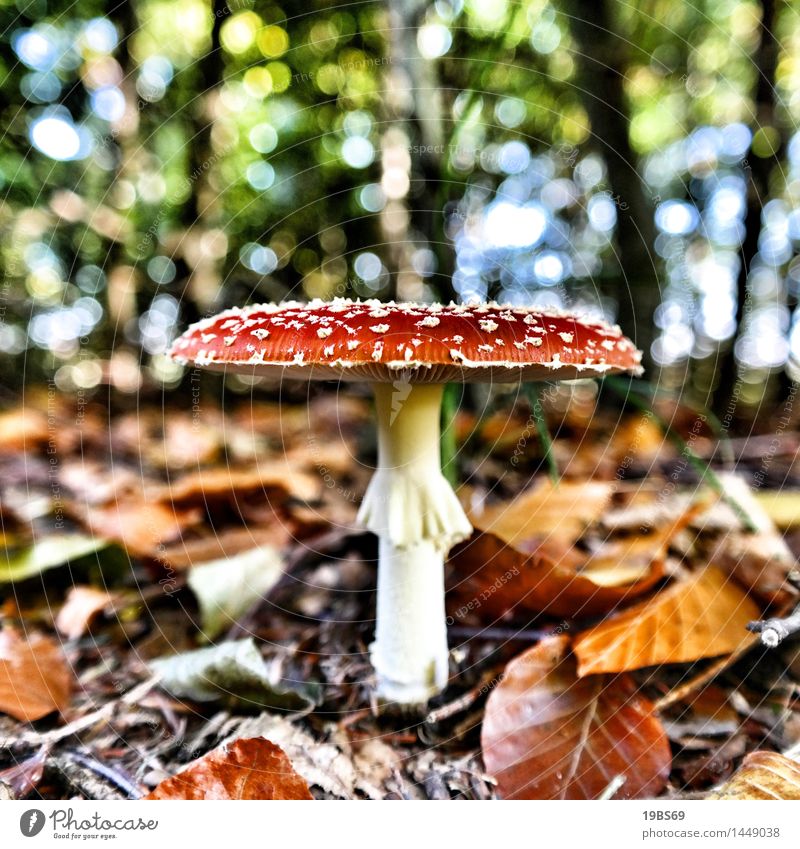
[[177, 581]]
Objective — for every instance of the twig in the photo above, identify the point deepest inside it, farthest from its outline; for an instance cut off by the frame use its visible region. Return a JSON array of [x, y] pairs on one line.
[[774, 631], [611, 790], [103, 714], [683, 691]]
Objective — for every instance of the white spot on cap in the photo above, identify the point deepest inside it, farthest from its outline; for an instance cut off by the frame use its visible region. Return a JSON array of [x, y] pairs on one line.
[[607, 344], [324, 332], [353, 344], [488, 325], [567, 337], [379, 328], [260, 333], [429, 321], [229, 340], [328, 350], [536, 341], [299, 358], [377, 351]]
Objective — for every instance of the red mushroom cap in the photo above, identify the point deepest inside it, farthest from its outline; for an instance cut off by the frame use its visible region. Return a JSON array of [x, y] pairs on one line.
[[426, 343]]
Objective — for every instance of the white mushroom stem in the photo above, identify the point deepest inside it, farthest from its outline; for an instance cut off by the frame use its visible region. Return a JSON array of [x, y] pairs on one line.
[[412, 508]]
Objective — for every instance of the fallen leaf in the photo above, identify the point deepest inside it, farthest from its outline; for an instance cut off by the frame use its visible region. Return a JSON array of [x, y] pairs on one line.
[[703, 616], [549, 735], [760, 560], [782, 506], [548, 512], [223, 543], [496, 579], [23, 429], [762, 775], [82, 605], [47, 553], [492, 580], [233, 670], [22, 778], [246, 769], [229, 587], [35, 678], [140, 527], [328, 762], [273, 480]]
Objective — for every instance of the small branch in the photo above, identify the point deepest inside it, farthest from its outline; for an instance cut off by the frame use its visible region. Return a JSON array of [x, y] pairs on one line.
[[774, 631]]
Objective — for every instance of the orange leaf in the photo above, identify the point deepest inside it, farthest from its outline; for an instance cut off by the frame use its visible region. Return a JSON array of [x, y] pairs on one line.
[[763, 775], [140, 526], [703, 616], [275, 481], [252, 768], [81, 606], [549, 735], [547, 512], [34, 676]]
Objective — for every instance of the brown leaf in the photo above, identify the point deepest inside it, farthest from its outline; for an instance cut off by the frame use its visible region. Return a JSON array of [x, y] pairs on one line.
[[35, 678], [80, 608], [215, 544], [547, 512], [273, 480], [495, 578], [703, 616], [763, 775], [23, 429], [251, 768], [140, 526], [549, 735]]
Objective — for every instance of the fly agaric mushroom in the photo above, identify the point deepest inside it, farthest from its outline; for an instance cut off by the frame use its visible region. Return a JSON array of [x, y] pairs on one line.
[[408, 352]]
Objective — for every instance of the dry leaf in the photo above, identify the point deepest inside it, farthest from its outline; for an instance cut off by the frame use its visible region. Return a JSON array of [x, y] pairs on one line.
[[246, 769], [34, 676], [548, 735], [140, 526], [548, 512], [703, 616], [273, 480], [216, 544], [494, 578], [80, 608], [782, 506], [47, 553], [23, 429], [229, 587], [763, 775], [761, 560]]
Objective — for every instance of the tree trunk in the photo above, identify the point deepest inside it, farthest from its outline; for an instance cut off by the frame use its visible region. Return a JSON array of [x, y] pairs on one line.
[[757, 173], [601, 58]]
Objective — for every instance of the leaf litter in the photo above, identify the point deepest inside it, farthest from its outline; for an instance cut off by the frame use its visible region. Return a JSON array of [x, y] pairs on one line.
[[579, 595]]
